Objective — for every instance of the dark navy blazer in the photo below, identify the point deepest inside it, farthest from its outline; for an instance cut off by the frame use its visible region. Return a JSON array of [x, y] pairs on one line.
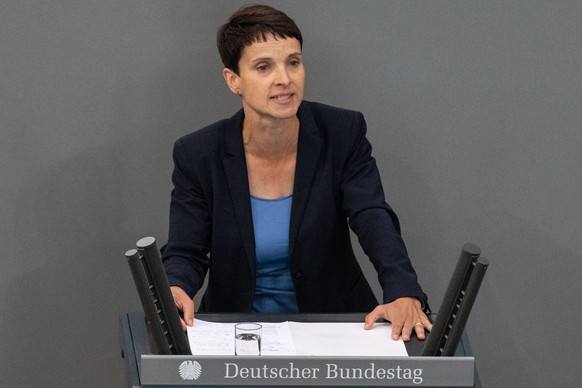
[[336, 183]]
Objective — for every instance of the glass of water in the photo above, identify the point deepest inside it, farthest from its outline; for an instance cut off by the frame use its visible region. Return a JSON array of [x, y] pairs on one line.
[[247, 339]]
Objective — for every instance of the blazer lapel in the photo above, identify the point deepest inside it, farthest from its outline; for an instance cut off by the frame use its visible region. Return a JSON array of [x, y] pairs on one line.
[[308, 154], [238, 183]]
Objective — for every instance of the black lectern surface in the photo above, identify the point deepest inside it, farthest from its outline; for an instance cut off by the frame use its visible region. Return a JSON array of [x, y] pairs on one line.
[[134, 340]]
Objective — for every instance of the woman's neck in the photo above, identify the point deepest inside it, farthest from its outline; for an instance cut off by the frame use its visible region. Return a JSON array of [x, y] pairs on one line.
[[271, 140]]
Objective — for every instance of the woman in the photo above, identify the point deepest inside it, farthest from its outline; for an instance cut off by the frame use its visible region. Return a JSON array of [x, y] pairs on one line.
[[263, 201]]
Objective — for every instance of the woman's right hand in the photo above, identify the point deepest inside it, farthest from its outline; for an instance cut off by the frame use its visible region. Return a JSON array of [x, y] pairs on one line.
[[185, 304]]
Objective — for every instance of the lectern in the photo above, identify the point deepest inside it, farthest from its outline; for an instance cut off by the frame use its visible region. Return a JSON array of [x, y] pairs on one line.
[[144, 369], [157, 353]]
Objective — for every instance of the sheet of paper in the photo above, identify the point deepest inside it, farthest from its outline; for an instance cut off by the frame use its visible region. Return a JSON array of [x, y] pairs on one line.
[[299, 338], [345, 339], [277, 340], [211, 338]]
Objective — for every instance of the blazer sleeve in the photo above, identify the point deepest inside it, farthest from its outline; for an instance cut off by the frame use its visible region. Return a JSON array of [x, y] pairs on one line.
[[185, 256], [373, 220]]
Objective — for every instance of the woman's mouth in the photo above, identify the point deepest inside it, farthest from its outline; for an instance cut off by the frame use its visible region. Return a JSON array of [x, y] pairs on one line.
[[282, 97]]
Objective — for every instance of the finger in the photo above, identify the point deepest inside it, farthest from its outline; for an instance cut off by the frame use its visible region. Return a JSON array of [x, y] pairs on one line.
[[398, 328], [373, 316], [422, 326], [396, 331], [184, 304], [188, 311], [407, 330], [419, 330], [181, 315], [184, 326], [427, 325], [425, 322]]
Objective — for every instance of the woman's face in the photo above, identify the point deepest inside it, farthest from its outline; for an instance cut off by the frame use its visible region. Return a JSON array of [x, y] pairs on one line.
[[271, 79]]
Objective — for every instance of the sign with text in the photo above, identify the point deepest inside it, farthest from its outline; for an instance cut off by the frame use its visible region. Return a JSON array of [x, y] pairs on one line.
[[307, 371]]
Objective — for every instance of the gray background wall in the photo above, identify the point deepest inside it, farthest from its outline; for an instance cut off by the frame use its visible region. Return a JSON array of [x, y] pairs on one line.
[[473, 107]]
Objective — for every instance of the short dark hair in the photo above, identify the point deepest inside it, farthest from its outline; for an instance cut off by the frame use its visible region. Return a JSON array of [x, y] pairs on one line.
[[252, 24]]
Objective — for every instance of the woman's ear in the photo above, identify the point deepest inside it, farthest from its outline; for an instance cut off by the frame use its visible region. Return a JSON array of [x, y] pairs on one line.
[[231, 79]]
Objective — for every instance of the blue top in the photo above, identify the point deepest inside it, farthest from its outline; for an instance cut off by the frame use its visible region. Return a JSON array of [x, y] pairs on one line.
[[274, 290]]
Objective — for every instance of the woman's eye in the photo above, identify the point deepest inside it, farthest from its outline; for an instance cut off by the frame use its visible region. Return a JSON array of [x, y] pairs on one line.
[[263, 67], [295, 62]]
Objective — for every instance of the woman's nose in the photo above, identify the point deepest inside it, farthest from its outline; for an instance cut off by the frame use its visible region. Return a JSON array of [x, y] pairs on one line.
[[281, 76]]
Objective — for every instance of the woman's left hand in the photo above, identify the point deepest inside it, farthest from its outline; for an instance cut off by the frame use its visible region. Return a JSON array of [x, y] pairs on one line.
[[405, 314]]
